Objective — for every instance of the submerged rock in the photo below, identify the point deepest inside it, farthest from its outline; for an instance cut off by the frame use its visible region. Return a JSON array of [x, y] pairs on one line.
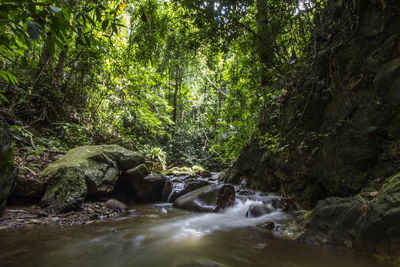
[[209, 198], [7, 171]]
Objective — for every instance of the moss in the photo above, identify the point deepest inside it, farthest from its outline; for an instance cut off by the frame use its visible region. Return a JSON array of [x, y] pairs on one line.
[[66, 191], [198, 169]]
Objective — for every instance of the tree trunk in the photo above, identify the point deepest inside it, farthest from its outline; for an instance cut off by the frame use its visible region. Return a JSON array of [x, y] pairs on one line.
[[265, 42]]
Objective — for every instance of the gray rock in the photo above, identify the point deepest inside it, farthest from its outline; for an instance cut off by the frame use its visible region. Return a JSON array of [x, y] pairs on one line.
[[115, 204], [210, 198], [189, 186], [137, 172], [257, 211]]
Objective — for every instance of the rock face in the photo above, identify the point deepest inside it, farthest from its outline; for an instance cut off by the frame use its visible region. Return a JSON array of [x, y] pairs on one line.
[[148, 188], [210, 198], [368, 221], [7, 171], [339, 132], [85, 171]]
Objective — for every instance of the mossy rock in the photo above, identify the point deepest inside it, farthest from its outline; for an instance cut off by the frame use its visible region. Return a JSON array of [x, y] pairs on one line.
[[178, 171], [197, 169], [98, 167], [66, 191]]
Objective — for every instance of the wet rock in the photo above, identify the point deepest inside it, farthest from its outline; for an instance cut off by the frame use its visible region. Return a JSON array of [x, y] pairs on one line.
[[189, 186], [167, 190], [257, 211], [149, 188], [7, 171], [210, 198], [205, 174], [115, 204], [270, 226], [285, 204]]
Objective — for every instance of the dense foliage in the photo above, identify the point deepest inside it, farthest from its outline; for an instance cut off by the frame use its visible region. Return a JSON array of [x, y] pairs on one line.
[[186, 78]]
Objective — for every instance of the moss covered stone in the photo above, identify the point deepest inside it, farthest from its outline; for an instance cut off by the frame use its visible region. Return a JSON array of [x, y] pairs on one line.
[[66, 191], [95, 167]]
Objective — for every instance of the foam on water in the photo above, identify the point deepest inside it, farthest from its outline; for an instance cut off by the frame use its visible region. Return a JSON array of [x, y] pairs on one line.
[[199, 224]]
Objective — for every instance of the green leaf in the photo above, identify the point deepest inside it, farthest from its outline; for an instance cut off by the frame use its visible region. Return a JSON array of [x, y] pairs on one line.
[[3, 98], [34, 30], [55, 9]]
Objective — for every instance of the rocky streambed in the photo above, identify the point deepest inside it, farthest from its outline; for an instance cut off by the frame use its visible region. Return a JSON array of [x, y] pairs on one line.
[[115, 208], [249, 233]]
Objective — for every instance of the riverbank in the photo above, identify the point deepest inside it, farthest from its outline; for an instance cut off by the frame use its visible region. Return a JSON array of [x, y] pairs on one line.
[[87, 213]]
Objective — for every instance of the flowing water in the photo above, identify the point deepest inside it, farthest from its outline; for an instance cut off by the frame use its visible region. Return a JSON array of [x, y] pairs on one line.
[[161, 235]]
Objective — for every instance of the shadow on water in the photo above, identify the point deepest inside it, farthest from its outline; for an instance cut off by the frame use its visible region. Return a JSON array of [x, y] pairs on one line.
[[164, 236]]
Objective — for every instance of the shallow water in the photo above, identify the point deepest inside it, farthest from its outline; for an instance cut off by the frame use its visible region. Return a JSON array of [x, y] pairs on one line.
[[164, 236]]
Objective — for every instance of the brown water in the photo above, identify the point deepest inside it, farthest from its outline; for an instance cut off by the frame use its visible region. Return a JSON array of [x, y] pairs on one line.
[[165, 236]]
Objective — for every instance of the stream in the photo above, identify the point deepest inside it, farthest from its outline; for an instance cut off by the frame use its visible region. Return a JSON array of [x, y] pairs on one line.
[[161, 235]]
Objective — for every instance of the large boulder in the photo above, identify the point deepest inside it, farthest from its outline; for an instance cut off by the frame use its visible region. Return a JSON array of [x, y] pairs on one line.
[[7, 171], [93, 170], [367, 222], [210, 198]]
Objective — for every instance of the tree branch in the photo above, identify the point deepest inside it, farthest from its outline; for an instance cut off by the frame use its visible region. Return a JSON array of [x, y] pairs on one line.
[[210, 82]]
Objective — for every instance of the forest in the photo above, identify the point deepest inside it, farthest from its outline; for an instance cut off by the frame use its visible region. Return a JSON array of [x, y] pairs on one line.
[[258, 118]]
